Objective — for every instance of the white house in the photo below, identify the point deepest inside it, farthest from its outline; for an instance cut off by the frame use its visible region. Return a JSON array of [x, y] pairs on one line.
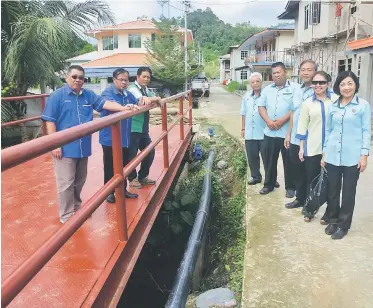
[[323, 31], [258, 52], [225, 67]]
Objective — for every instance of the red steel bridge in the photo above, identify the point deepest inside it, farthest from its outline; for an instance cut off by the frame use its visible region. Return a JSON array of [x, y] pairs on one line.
[[88, 260]]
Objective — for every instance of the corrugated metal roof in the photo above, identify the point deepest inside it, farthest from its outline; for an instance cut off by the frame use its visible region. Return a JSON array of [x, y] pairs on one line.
[[362, 43], [290, 26]]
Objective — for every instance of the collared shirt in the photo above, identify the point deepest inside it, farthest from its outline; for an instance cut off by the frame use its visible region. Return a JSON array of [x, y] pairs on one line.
[[68, 109], [278, 102], [312, 123], [348, 132], [300, 95], [113, 94], [254, 124], [140, 122]]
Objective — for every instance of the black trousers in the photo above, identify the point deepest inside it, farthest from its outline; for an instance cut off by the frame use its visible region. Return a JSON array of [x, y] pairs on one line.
[[139, 141], [272, 146], [253, 149], [108, 162], [341, 213], [298, 173]]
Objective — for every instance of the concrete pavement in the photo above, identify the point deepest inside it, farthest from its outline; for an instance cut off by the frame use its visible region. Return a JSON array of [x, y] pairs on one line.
[[290, 263]]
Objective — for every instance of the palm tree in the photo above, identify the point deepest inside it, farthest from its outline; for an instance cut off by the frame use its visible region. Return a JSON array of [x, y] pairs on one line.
[[36, 37]]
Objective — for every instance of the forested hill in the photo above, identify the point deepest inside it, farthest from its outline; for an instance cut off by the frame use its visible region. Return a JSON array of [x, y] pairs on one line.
[[213, 34]]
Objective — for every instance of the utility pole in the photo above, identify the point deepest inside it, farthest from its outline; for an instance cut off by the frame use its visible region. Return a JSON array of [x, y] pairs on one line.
[[186, 10]]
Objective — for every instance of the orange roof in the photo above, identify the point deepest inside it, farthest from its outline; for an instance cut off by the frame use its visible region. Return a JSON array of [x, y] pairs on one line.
[[362, 43], [118, 59], [137, 24]]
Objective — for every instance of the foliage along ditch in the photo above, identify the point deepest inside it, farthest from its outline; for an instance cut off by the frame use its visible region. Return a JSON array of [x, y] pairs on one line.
[[156, 268]]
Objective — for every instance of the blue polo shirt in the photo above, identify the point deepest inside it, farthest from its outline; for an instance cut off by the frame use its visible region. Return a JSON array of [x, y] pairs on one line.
[[113, 94], [348, 132], [254, 124], [68, 109], [300, 95], [278, 102]]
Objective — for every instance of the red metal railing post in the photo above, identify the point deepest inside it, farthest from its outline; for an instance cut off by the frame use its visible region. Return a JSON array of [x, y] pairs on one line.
[[119, 190], [43, 124], [166, 162], [181, 113], [190, 108]]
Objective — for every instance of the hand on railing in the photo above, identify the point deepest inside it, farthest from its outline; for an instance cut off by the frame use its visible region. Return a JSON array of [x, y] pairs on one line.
[[131, 107]]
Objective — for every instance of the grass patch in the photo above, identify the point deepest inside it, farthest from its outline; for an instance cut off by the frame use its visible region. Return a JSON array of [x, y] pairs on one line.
[[226, 235]]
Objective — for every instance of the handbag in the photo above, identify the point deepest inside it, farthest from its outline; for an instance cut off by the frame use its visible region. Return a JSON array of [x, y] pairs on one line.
[[318, 194]]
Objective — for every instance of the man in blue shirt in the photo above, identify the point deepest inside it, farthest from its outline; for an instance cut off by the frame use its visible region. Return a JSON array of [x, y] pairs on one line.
[[307, 69], [275, 109], [253, 127], [117, 92], [67, 107]]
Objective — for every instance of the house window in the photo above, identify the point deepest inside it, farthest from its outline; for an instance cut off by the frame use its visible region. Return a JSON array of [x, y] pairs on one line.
[[244, 54], [153, 36], [306, 16], [358, 67], [315, 16], [353, 9], [342, 65], [243, 75], [110, 42], [134, 40]]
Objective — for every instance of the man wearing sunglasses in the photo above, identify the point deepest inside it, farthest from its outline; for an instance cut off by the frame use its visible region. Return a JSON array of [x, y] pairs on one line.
[[117, 92], [307, 70], [67, 107]]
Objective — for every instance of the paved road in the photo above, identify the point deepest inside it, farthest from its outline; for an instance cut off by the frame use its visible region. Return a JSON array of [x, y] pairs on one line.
[[290, 263]]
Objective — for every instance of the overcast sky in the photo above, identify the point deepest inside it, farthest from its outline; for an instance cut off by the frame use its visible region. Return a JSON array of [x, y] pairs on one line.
[[258, 12]]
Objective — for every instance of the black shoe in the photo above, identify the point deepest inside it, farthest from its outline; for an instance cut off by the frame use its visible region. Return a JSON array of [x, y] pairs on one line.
[[290, 193], [339, 234], [131, 195], [277, 185], [111, 198], [294, 204], [253, 181], [331, 229], [265, 190]]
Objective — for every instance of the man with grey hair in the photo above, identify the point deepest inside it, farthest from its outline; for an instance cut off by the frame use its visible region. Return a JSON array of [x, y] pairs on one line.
[[307, 70], [252, 127]]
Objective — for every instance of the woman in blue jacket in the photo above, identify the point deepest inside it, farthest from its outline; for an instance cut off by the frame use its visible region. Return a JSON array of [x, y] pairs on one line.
[[345, 151]]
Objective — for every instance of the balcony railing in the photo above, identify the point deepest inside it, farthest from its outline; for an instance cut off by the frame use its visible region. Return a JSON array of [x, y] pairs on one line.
[[269, 57]]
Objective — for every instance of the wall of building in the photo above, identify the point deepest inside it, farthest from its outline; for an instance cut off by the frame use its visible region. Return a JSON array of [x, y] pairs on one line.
[[284, 41], [123, 45]]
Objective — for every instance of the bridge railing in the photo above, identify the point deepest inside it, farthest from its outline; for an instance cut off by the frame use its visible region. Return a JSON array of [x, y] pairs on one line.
[[18, 154], [14, 99]]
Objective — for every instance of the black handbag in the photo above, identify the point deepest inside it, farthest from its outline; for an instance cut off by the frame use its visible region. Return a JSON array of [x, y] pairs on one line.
[[318, 194]]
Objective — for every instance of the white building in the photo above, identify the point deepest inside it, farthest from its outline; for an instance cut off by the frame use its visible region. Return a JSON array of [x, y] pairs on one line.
[[323, 31], [258, 52]]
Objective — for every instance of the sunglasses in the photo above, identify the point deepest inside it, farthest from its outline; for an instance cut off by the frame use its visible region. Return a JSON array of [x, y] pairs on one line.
[[320, 82], [77, 77]]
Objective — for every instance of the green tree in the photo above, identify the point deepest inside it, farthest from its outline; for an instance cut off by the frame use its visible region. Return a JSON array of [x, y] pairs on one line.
[[87, 48], [37, 36], [166, 55]]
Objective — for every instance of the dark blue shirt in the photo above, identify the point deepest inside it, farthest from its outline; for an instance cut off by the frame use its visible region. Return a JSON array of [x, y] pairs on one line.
[[68, 109], [113, 94]]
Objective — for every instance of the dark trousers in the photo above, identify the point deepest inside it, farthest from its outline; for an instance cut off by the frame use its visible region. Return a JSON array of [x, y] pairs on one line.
[[341, 213], [272, 146], [108, 162], [253, 148], [139, 141], [298, 173]]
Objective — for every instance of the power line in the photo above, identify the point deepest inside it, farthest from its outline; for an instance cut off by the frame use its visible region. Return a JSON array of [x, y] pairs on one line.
[[219, 3]]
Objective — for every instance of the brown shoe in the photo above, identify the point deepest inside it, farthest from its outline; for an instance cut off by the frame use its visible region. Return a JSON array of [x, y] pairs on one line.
[[147, 181], [135, 184]]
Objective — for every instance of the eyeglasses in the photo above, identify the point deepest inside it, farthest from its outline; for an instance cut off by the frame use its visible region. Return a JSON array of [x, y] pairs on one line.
[[320, 82], [77, 77]]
